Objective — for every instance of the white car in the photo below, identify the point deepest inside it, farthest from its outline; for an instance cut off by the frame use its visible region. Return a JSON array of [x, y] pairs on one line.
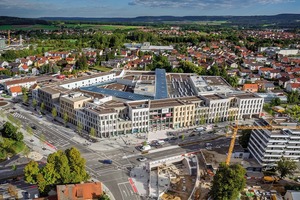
[[142, 159]]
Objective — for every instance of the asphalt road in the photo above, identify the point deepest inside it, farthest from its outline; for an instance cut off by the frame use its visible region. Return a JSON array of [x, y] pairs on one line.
[[114, 176]]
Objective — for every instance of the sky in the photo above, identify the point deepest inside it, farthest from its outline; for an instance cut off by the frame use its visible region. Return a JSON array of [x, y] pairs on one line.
[[134, 8]]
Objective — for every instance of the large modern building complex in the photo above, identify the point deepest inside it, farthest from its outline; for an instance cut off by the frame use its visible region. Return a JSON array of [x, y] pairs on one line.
[[268, 146], [139, 102]]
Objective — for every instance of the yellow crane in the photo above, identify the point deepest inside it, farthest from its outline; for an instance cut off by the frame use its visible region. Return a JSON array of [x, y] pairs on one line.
[[235, 127]]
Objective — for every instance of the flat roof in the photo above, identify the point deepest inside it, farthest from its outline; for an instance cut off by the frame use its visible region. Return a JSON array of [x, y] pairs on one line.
[[119, 94], [85, 78], [76, 97], [54, 90], [212, 96], [161, 89]]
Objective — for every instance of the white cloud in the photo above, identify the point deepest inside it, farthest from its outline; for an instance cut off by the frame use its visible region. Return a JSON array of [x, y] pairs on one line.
[[203, 4]]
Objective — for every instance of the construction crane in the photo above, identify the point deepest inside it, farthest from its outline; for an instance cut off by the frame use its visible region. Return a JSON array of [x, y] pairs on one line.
[[235, 127], [8, 38]]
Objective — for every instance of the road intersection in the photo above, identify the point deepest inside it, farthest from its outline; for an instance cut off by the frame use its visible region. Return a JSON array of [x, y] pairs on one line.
[[123, 159]]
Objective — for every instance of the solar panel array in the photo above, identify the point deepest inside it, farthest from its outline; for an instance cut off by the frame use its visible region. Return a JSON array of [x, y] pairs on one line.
[[115, 93], [161, 89]]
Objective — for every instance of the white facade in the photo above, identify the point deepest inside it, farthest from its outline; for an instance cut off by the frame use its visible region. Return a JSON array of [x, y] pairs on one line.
[[268, 146], [249, 106], [104, 122], [140, 118], [88, 81], [27, 83]]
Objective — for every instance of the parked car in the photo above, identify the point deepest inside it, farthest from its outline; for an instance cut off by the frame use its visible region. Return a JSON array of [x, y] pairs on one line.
[[142, 159]]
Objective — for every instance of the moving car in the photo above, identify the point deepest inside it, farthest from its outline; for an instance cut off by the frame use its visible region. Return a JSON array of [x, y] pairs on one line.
[[107, 161]]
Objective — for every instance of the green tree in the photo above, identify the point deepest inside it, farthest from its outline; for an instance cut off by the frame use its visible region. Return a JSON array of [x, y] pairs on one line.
[[182, 137], [31, 171], [65, 118], [202, 119], [228, 182], [275, 102], [34, 103], [79, 128], [92, 132], [50, 174], [244, 138], [77, 166], [9, 130], [41, 182], [104, 197], [26, 151], [82, 63], [286, 166], [42, 107], [293, 97], [25, 98], [54, 113], [24, 90]]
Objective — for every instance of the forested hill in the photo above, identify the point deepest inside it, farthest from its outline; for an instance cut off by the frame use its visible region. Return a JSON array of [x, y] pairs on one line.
[[4, 20], [281, 18]]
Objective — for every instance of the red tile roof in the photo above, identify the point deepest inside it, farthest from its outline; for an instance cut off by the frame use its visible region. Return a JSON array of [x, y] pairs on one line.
[[16, 89], [79, 191]]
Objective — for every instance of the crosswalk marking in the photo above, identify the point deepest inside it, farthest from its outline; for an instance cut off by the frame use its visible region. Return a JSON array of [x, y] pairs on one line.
[[17, 115]]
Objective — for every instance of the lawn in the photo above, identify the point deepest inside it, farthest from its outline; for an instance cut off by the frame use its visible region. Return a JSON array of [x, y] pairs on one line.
[[9, 147], [101, 27], [28, 27], [101, 68], [5, 96]]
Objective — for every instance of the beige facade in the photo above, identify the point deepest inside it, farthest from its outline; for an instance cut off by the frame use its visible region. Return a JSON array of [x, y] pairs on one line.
[[70, 103]]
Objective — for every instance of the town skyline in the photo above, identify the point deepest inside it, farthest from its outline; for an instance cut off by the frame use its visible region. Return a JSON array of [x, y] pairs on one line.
[[134, 8]]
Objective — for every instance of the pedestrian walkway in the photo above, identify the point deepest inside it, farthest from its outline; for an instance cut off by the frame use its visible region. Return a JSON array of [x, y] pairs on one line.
[[153, 187], [140, 177]]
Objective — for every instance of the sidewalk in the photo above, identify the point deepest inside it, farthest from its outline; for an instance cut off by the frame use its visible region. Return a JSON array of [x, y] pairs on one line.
[[140, 177]]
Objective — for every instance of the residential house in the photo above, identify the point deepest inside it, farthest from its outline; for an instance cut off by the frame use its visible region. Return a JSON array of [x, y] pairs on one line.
[[269, 73], [81, 191], [292, 87], [232, 72], [244, 72], [24, 68], [71, 61], [253, 78], [68, 68], [268, 86], [15, 91], [232, 63], [14, 65], [61, 54], [28, 62], [54, 58], [282, 81], [4, 64], [250, 87]]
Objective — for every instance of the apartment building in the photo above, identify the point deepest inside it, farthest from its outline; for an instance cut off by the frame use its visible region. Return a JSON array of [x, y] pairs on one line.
[[69, 103], [86, 81], [50, 96], [138, 112], [24, 82], [249, 105], [218, 107], [268, 146]]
